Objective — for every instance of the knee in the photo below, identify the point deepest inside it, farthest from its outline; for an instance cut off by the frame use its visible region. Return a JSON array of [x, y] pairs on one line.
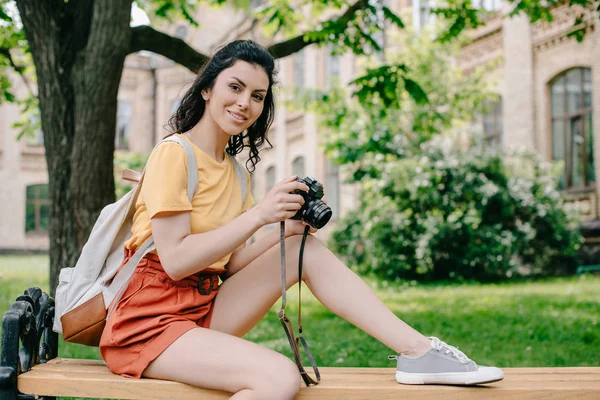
[[282, 381], [293, 243]]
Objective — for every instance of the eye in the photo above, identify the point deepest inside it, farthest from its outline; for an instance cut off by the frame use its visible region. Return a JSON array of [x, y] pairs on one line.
[[235, 87], [258, 97]]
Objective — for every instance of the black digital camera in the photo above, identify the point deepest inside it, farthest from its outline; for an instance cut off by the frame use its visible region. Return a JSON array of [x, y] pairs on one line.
[[314, 211]]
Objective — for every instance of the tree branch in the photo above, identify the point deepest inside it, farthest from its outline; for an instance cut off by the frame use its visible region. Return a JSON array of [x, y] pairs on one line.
[[19, 68], [147, 38], [6, 53], [291, 46]]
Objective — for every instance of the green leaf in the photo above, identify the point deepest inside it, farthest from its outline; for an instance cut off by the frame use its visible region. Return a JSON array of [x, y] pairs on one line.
[[415, 91], [389, 15], [187, 16], [164, 9], [9, 96], [4, 16]]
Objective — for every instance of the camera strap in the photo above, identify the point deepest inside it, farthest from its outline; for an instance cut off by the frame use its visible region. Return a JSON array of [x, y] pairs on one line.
[[282, 317]]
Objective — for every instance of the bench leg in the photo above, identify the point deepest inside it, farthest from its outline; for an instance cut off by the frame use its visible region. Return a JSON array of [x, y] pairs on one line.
[[27, 340]]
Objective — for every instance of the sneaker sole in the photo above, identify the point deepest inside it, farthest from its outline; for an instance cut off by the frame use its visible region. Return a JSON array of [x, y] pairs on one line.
[[449, 378]]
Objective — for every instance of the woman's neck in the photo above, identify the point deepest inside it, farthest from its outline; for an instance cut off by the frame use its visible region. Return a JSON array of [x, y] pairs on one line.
[[208, 136]]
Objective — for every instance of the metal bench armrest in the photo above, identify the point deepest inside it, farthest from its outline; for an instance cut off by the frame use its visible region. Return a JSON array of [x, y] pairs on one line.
[[27, 339]]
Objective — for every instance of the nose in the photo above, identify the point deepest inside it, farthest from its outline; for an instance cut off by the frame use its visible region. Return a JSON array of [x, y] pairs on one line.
[[243, 102]]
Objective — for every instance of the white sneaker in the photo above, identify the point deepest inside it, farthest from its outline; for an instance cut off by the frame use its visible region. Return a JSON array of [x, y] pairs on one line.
[[443, 364]]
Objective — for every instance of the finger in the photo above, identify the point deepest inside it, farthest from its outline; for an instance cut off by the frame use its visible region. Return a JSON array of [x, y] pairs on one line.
[[312, 228], [288, 179], [291, 186], [290, 206], [284, 215], [292, 198]]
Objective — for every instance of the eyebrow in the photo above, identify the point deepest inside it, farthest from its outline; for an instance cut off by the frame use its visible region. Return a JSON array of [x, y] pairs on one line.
[[244, 85]]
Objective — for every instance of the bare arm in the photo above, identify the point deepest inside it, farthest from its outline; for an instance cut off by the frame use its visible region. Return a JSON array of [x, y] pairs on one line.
[[245, 255], [183, 253]]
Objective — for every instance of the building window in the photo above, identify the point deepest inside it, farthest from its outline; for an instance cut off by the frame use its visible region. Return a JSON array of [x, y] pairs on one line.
[[332, 188], [298, 167], [332, 67], [488, 5], [254, 4], [181, 32], [421, 12], [572, 129], [270, 178], [37, 209], [299, 68], [491, 121], [379, 36], [175, 105], [36, 137], [123, 125]]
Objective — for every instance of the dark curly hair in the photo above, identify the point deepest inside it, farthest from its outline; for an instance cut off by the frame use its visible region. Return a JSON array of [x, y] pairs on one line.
[[192, 104]]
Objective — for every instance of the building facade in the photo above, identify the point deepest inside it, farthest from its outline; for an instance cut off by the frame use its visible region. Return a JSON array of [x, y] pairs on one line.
[[548, 85], [545, 80]]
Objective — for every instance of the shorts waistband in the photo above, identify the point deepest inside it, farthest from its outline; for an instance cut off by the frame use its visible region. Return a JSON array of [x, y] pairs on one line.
[[151, 263]]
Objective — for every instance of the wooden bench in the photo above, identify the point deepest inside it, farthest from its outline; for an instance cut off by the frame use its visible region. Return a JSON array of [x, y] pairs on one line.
[[40, 375]]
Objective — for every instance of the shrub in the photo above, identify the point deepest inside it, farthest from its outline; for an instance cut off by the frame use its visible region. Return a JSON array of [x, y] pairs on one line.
[[448, 214], [123, 161]]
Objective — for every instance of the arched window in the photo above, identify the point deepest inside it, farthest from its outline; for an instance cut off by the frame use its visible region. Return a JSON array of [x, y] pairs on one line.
[[270, 178], [37, 137], [332, 66], [181, 32], [492, 123], [37, 209], [298, 58], [298, 166], [572, 129], [175, 105], [123, 125], [332, 189]]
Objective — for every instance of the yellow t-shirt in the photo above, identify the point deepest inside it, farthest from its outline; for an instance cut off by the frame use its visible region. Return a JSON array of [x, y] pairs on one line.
[[217, 201]]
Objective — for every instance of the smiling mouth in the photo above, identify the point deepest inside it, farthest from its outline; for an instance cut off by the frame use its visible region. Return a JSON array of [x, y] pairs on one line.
[[237, 117]]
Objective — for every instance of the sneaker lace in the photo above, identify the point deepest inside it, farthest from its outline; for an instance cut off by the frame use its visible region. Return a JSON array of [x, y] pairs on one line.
[[439, 345]]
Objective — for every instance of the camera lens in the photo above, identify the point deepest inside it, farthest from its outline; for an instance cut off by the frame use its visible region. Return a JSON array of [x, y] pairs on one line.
[[318, 214]]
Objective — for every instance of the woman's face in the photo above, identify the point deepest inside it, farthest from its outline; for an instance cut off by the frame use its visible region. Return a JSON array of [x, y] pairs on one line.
[[238, 96]]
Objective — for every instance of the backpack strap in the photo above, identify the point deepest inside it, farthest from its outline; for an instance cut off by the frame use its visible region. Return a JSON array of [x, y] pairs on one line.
[[192, 168], [119, 284], [131, 175], [240, 172]]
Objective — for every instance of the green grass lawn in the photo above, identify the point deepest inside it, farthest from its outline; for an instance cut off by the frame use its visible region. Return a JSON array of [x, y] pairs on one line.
[[549, 323]]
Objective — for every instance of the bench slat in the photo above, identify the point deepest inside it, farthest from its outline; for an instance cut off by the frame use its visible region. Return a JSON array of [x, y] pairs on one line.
[[91, 378], [74, 364]]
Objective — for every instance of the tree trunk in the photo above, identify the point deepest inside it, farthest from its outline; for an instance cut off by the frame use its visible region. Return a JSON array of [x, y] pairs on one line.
[[78, 49]]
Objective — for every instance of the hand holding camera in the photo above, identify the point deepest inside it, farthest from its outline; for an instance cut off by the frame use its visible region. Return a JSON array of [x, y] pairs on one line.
[[314, 211], [295, 198]]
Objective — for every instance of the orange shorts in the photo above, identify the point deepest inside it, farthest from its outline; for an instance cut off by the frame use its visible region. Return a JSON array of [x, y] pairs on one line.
[[153, 312]]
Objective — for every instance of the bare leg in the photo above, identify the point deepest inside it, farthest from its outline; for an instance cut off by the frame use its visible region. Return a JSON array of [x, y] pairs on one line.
[[215, 360], [246, 296]]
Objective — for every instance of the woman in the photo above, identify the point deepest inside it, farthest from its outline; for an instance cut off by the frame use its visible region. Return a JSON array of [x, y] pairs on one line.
[[174, 321]]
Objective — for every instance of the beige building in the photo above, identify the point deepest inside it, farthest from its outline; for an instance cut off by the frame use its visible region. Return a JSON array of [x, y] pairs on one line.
[[549, 86], [545, 81]]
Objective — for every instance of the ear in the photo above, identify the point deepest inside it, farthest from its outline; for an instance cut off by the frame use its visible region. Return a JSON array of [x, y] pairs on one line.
[[206, 94]]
